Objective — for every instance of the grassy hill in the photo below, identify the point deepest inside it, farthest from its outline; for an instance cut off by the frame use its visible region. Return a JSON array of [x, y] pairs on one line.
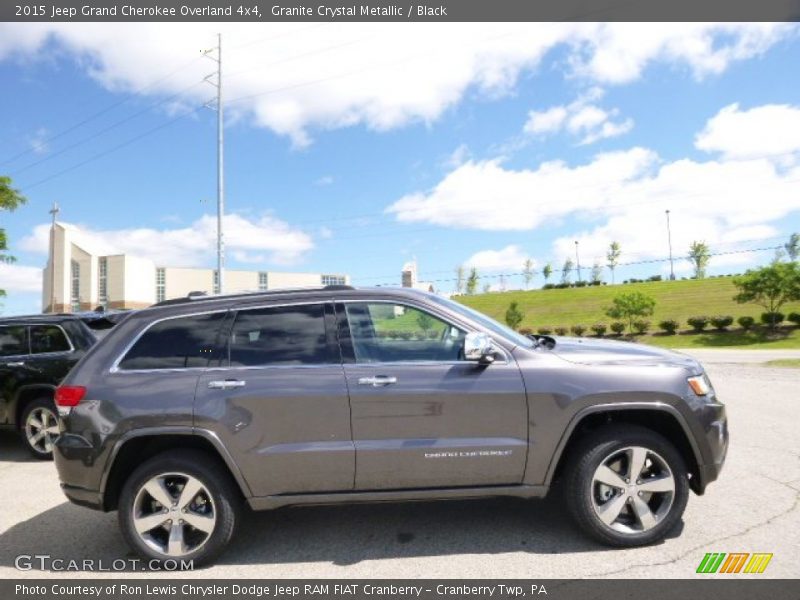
[[677, 300]]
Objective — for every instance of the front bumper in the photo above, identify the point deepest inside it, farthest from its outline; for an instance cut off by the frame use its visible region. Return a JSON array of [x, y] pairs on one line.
[[716, 439]]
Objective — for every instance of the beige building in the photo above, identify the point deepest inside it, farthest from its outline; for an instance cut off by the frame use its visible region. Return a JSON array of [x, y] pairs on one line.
[[83, 281]]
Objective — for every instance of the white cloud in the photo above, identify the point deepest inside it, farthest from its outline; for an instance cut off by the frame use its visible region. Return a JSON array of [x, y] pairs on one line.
[[294, 79], [19, 278], [769, 130], [509, 258], [325, 180], [457, 157], [581, 118], [264, 239], [38, 141]]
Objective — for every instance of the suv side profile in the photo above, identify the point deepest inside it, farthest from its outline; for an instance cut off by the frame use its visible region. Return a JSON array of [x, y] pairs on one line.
[[36, 353], [188, 410]]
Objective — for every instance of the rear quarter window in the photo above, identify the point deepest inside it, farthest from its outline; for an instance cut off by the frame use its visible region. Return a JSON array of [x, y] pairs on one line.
[[48, 338]]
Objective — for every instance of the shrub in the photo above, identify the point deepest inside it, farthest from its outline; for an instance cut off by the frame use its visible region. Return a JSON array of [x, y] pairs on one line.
[[560, 330], [641, 326], [618, 327], [669, 326], [434, 335], [393, 335], [697, 324], [721, 322], [578, 330], [746, 323], [548, 286], [545, 330], [772, 319], [654, 278], [794, 318], [599, 329], [525, 330], [514, 315], [406, 335], [581, 284], [562, 286]]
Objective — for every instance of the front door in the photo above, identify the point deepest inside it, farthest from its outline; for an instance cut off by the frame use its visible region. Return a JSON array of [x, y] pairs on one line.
[[279, 401], [423, 416]]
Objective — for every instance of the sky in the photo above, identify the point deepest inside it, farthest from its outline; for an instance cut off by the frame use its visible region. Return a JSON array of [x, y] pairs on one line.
[[357, 147]]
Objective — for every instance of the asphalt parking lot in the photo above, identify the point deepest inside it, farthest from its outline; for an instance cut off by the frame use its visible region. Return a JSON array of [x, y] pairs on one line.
[[754, 507]]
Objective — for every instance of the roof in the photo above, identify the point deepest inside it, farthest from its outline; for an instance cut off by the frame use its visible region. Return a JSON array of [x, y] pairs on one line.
[[111, 316]]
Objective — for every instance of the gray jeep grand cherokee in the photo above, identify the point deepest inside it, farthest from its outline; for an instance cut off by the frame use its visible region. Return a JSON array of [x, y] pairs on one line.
[[192, 408]]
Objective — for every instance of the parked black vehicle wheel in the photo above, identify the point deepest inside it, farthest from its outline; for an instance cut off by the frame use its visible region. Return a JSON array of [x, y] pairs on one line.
[[626, 486], [39, 427], [181, 506]]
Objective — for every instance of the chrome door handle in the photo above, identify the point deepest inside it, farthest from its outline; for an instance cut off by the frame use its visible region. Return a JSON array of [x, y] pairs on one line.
[[379, 381], [15, 364], [226, 384]]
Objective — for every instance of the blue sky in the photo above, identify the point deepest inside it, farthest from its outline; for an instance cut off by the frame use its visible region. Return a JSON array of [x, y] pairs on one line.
[[353, 148]]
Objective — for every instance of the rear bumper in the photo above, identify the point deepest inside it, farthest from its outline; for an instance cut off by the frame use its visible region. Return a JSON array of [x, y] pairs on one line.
[[78, 471], [83, 497]]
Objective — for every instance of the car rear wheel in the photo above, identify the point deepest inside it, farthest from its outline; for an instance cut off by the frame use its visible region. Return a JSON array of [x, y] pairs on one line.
[[39, 427], [181, 506], [626, 486]]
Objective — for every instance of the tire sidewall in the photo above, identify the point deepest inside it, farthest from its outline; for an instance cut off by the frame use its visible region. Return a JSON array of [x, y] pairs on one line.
[[41, 402]]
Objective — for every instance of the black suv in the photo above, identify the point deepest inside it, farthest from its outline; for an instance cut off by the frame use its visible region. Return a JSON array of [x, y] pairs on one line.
[[337, 394], [36, 352]]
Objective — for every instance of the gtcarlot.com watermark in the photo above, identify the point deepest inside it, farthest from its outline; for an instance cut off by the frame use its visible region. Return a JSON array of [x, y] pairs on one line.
[[45, 562]]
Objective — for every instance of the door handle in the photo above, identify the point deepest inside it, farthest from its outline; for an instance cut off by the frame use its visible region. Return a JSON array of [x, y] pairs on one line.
[[379, 381], [227, 384], [15, 364]]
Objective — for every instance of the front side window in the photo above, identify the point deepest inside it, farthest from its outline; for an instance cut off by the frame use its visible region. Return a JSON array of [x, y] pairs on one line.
[[281, 335], [180, 343], [13, 340], [386, 332], [48, 338]]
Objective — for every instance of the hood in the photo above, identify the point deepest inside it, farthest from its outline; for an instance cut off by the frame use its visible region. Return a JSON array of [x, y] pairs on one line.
[[598, 352]]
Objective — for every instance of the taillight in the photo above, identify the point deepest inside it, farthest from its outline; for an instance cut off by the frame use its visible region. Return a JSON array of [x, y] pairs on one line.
[[69, 395]]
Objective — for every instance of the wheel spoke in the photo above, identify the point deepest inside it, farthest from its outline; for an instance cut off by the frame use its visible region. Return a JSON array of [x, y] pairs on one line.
[[658, 484], [35, 423], [643, 513], [53, 430], [204, 523], [176, 545], [156, 488], [36, 438], [190, 490], [609, 511], [636, 459], [608, 476], [146, 523]]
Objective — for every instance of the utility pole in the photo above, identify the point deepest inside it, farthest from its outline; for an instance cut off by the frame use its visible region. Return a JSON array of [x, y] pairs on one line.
[[220, 163], [53, 211], [669, 241], [578, 260]]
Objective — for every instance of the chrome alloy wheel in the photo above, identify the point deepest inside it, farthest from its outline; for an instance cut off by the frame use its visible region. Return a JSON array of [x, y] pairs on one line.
[[174, 514], [633, 490], [41, 429]]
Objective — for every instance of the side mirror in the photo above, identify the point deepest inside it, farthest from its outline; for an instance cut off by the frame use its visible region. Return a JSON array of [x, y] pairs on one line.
[[479, 347]]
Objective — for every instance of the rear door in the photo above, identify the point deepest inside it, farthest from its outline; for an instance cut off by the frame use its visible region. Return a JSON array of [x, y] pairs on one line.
[[278, 400], [13, 358], [423, 416], [52, 353]]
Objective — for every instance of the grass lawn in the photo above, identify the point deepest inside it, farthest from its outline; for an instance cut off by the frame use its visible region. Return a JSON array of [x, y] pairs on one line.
[[793, 363]]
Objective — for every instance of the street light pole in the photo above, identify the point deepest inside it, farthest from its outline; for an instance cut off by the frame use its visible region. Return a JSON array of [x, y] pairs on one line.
[[220, 155], [669, 241], [578, 260], [53, 211]]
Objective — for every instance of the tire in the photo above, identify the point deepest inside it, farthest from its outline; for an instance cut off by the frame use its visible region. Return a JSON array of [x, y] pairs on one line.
[[216, 497], [645, 516], [38, 426]]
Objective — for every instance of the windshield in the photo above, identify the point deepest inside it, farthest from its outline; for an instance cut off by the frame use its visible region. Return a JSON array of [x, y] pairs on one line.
[[488, 322]]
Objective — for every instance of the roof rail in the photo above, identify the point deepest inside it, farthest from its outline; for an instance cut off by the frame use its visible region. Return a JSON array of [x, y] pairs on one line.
[[204, 297]]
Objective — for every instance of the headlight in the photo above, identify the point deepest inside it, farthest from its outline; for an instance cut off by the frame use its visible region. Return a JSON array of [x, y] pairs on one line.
[[700, 385]]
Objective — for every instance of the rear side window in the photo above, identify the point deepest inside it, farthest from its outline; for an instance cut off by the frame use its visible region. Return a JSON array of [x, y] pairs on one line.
[[13, 340], [284, 335], [48, 338], [178, 343]]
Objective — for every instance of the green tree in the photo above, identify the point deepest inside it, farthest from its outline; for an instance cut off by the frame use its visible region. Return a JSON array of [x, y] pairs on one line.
[[597, 273], [547, 271], [770, 287], [793, 246], [472, 281], [699, 254], [514, 316], [460, 279], [10, 199], [612, 257], [424, 321], [566, 270], [631, 306], [528, 272]]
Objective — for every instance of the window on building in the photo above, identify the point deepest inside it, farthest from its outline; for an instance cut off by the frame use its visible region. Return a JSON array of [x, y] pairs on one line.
[[13, 340], [161, 285], [263, 282], [383, 332], [102, 281], [216, 281], [177, 343], [333, 280], [285, 335], [48, 338], [75, 288]]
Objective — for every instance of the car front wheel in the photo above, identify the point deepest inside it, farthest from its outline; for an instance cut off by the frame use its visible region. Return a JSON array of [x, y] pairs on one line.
[[627, 486]]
